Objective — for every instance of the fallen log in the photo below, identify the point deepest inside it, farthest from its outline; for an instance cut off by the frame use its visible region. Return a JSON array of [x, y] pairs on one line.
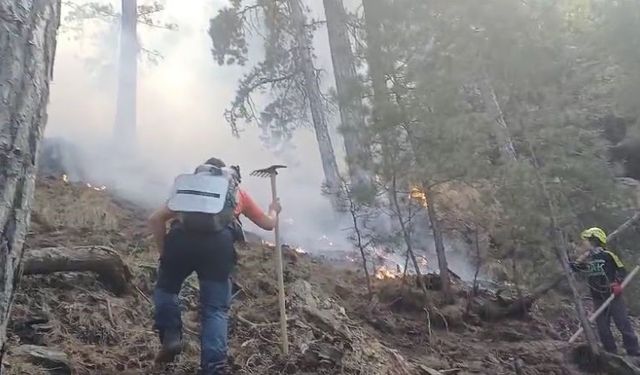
[[55, 362], [102, 260]]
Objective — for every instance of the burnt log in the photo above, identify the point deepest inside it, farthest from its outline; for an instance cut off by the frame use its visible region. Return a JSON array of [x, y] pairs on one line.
[[27, 49], [104, 261]]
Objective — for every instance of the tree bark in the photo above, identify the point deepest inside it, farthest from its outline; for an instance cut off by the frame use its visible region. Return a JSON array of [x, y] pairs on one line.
[[312, 87], [27, 50], [348, 90], [439, 244], [125, 121], [104, 261]]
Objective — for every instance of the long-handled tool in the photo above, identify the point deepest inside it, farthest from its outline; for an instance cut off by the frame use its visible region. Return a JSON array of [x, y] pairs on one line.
[[606, 303], [272, 172]]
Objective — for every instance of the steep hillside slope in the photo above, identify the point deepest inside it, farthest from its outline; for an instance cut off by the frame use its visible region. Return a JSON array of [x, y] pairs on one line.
[[334, 328]]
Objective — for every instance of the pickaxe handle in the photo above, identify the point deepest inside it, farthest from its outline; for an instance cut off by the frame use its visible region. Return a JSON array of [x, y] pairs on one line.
[[279, 270], [606, 304]]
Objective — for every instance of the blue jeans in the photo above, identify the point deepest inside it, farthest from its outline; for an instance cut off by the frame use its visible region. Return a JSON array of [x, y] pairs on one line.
[[215, 298], [212, 257]]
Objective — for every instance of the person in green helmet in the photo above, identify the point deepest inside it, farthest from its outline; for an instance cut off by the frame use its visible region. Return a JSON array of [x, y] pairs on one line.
[[605, 273]]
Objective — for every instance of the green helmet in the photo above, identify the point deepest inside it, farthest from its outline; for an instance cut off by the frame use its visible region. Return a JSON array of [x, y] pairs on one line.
[[594, 233]]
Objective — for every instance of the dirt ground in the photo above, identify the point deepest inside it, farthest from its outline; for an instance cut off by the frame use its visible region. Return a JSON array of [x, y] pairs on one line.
[[334, 328]]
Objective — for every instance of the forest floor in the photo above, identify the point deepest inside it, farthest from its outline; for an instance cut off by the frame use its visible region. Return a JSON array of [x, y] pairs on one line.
[[334, 328]]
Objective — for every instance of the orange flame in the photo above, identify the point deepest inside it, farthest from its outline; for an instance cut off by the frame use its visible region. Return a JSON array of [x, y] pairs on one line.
[[418, 195], [384, 272]]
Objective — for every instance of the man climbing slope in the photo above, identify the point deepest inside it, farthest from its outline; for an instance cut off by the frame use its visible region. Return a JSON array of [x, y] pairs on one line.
[[203, 210], [605, 272]]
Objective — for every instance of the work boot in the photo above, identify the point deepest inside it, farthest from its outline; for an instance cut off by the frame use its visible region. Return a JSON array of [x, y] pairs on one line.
[[171, 346]]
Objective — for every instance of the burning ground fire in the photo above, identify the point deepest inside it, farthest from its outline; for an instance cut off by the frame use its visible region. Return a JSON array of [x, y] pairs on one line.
[[418, 195], [387, 264], [384, 272], [298, 250], [65, 178]]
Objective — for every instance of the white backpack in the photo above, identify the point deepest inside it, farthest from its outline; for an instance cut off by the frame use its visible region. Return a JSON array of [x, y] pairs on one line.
[[206, 200]]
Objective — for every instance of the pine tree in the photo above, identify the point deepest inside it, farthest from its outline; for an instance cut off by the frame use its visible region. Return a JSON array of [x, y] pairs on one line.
[[349, 93], [287, 70], [28, 46]]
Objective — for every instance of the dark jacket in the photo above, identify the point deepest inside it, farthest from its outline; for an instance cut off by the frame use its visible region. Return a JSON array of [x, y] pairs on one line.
[[602, 268]]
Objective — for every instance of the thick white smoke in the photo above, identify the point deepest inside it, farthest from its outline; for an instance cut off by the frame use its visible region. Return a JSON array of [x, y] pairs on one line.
[[181, 102]]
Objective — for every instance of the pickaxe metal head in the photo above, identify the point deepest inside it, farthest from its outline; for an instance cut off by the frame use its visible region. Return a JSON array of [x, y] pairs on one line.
[[266, 172]]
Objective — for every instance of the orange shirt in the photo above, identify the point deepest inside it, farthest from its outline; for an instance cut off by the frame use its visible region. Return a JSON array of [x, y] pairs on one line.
[[248, 207]]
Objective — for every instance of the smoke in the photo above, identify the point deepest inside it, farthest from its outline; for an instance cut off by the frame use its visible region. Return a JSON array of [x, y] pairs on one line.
[[180, 106], [181, 101]]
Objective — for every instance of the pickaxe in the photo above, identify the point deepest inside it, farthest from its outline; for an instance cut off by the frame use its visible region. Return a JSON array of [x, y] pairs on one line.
[[272, 172]]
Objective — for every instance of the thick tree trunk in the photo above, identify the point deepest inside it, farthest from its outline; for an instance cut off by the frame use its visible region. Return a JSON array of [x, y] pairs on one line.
[[27, 49], [125, 122], [314, 96], [439, 243], [348, 89], [104, 261]]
